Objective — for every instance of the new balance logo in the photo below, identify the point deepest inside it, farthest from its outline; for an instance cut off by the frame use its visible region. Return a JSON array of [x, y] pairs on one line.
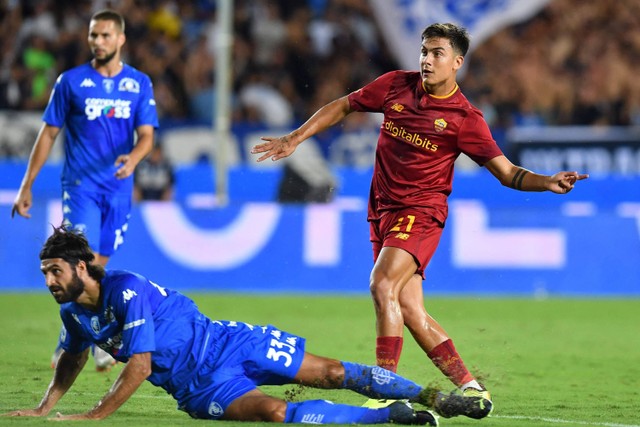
[[397, 107], [402, 236], [87, 83]]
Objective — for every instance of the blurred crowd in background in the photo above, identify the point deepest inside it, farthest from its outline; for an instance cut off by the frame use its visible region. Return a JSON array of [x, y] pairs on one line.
[[573, 63]]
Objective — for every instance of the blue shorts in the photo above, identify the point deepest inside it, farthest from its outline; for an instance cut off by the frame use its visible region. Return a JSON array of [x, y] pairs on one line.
[[103, 218], [247, 357]]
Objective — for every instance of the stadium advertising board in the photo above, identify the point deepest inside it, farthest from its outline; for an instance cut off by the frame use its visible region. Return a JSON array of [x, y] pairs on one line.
[[496, 240], [598, 152]]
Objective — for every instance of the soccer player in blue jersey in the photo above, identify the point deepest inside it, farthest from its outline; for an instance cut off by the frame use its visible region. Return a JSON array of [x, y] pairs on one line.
[[102, 105], [212, 368]]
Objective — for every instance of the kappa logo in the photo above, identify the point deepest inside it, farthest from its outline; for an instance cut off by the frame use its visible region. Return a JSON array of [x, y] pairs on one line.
[[87, 83], [128, 294], [397, 107], [440, 125]]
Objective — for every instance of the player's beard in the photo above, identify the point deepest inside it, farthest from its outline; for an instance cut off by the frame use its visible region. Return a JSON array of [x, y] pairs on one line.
[[74, 289], [106, 59]]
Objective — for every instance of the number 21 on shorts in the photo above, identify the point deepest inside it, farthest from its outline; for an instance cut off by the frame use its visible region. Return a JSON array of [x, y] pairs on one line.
[[401, 223]]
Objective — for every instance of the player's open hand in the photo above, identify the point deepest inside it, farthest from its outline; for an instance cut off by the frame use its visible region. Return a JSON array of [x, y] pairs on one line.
[[22, 204], [125, 166], [563, 182], [274, 148], [25, 413]]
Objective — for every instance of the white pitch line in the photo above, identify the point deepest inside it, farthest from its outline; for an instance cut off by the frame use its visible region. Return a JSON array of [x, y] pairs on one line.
[[561, 421]]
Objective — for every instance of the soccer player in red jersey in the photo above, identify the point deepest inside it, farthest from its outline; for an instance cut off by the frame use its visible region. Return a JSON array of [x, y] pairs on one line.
[[427, 123]]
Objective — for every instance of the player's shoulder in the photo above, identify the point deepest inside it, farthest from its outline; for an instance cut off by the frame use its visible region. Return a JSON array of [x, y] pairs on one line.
[[132, 72], [117, 280], [401, 77], [72, 74], [464, 104], [121, 286]]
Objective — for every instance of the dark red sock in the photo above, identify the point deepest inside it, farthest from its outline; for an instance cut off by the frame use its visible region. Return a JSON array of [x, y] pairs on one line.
[[447, 359], [388, 351]]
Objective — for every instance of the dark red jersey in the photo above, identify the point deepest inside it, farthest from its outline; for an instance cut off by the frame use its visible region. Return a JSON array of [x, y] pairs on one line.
[[420, 138]]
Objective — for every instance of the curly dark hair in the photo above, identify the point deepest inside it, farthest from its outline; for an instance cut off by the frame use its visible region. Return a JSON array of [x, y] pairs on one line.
[[73, 247], [457, 36]]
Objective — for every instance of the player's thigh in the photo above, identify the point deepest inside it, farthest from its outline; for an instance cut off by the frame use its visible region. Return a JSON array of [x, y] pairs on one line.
[[213, 391], [115, 211], [81, 212], [256, 406]]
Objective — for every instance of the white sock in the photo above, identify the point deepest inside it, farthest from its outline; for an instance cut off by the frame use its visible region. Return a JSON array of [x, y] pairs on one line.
[[471, 384]]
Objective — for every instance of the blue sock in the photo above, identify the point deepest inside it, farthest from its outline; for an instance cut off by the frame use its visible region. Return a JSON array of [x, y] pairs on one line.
[[377, 382], [325, 412]]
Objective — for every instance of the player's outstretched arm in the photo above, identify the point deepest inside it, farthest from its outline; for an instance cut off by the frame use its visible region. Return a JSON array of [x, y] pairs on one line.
[[519, 178], [281, 147], [39, 154], [137, 369], [67, 369]]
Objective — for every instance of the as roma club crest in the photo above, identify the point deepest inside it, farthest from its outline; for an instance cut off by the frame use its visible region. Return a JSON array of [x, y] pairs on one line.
[[440, 125]]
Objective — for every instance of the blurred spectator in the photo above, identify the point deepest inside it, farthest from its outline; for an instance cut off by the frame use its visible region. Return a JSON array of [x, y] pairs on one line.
[[270, 106], [574, 63], [39, 64], [154, 177]]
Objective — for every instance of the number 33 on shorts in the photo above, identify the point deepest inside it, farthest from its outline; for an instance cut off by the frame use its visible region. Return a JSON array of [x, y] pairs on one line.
[[281, 351]]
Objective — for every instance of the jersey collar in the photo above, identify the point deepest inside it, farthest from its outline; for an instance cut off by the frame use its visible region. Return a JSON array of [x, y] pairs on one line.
[[453, 91]]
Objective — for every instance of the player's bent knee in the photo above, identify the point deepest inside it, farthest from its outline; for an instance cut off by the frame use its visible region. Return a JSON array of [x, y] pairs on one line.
[[381, 292], [334, 374]]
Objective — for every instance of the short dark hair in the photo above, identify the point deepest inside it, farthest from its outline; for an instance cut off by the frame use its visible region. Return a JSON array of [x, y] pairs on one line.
[[457, 36], [110, 15], [73, 247]]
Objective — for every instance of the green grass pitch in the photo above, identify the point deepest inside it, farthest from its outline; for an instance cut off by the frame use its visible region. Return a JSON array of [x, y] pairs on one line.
[[552, 362]]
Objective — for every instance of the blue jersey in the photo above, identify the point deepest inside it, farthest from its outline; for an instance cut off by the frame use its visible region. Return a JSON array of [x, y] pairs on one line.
[[99, 115], [138, 316]]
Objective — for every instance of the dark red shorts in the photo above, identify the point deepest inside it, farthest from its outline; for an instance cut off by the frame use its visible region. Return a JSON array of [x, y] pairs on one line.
[[413, 229]]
